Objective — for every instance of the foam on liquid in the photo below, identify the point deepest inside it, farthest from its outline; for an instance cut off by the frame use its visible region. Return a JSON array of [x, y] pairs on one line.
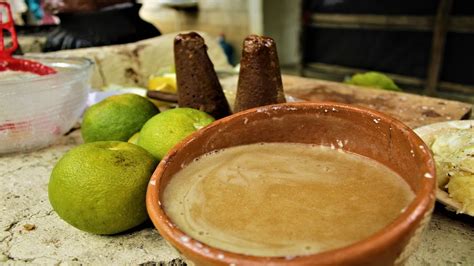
[[282, 199]]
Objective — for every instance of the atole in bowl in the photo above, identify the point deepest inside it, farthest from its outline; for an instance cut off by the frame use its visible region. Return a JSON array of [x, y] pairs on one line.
[[329, 128]]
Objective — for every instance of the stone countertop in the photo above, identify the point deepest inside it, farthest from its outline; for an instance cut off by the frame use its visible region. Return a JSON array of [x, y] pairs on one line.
[[31, 232]]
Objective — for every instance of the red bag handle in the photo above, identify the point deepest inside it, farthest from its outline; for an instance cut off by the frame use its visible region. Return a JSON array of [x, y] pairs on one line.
[[9, 26]]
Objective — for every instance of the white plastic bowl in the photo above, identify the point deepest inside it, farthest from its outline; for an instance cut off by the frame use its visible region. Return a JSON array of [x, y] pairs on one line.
[[36, 111]]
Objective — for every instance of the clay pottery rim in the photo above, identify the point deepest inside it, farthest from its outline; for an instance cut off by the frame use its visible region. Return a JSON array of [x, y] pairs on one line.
[[404, 224]]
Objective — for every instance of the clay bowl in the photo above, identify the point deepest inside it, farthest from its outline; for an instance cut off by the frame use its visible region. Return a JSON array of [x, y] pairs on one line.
[[367, 132]]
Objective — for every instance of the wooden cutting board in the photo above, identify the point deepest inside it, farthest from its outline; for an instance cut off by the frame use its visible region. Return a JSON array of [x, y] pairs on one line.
[[413, 110]]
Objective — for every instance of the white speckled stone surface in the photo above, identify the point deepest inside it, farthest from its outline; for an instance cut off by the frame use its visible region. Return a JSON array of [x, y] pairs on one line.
[[449, 239], [24, 202]]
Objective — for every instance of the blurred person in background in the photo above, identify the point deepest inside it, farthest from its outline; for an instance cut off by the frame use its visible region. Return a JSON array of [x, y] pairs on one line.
[[18, 7], [90, 23]]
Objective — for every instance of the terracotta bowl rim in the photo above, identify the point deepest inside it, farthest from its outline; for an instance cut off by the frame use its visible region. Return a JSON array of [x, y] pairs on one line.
[[414, 212]]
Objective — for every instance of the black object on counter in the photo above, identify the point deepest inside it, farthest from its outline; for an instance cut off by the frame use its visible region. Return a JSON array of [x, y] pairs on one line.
[[98, 28]]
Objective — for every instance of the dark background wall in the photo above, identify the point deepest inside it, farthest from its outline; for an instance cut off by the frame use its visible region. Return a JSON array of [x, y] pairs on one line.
[[405, 52]]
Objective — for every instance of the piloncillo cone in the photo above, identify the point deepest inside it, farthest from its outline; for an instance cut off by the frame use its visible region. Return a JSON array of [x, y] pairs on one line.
[[260, 78], [198, 85]]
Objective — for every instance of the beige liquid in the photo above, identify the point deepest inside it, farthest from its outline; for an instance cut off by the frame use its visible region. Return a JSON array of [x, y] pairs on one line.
[[280, 199]]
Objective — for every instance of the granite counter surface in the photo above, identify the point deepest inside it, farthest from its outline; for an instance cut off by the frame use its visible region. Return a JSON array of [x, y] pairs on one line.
[[31, 232]]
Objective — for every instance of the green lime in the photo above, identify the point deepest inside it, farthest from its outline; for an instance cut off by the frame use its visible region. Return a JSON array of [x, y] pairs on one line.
[[134, 139], [100, 187], [164, 130], [117, 117]]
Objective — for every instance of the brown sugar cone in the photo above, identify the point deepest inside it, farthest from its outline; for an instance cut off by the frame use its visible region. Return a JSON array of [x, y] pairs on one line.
[[198, 85], [259, 79]]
